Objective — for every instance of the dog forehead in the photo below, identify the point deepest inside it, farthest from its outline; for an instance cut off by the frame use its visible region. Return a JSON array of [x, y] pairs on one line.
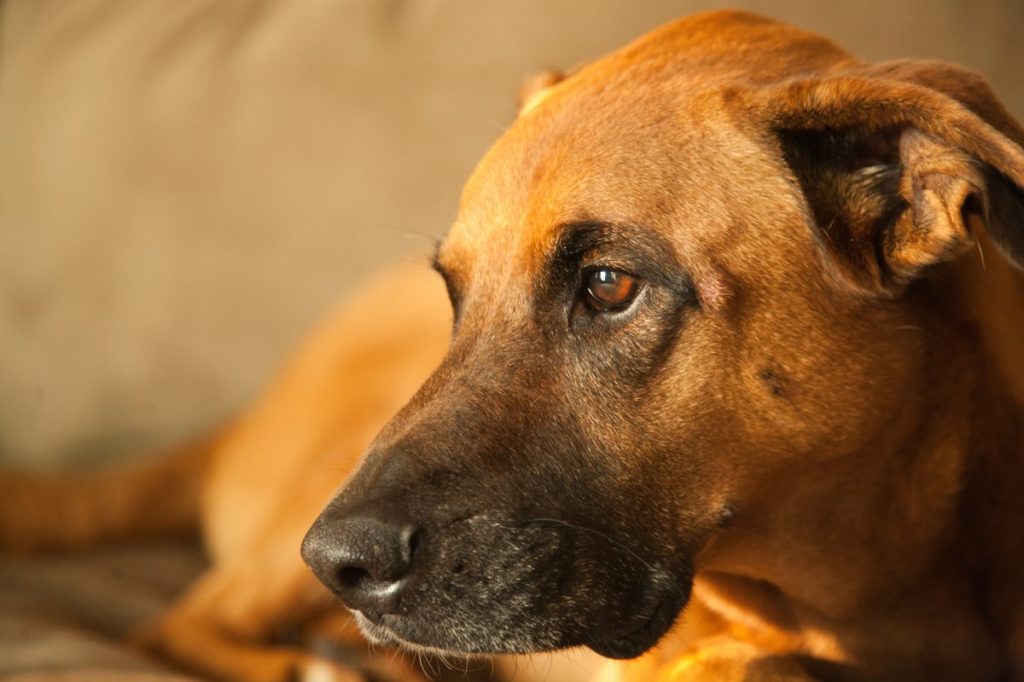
[[641, 137], [587, 157]]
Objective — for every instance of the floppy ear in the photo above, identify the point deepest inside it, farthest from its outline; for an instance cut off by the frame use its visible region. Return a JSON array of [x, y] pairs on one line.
[[900, 163], [535, 88]]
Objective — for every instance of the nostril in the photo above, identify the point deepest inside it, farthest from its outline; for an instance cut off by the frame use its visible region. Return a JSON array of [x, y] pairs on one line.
[[373, 562], [414, 543], [355, 578]]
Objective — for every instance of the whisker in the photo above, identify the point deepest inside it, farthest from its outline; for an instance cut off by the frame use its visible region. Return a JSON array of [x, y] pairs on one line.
[[409, 232], [598, 533]]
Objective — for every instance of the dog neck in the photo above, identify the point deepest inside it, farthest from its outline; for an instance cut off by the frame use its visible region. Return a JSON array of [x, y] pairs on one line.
[[992, 509], [923, 524]]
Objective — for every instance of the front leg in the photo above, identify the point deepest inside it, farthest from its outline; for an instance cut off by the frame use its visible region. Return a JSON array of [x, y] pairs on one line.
[[259, 615], [721, 658], [725, 659], [704, 646], [231, 627]]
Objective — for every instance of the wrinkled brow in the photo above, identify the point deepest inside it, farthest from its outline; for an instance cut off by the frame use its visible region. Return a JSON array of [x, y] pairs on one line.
[[452, 282], [633, 248]]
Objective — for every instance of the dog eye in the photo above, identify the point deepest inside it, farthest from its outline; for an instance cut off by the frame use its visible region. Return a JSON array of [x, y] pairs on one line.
[[609, 290]]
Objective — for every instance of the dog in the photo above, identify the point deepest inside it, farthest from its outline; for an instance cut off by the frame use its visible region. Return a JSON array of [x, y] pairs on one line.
[[723, 376]]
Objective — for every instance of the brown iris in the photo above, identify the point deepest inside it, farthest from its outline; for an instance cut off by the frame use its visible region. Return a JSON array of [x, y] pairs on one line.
[[610, 290]]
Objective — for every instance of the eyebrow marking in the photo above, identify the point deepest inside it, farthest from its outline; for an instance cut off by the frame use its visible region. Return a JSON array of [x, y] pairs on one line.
[[435, 256], [435, 265], [450, 281], [630, 246]]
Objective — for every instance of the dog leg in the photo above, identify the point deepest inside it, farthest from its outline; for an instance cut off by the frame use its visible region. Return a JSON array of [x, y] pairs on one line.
[[157, 496], [257, 613], [242, 621], [723, 658], [232, 623], [702, 645]]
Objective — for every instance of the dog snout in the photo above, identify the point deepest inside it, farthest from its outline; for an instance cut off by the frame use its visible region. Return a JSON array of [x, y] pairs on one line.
[[365, 559]]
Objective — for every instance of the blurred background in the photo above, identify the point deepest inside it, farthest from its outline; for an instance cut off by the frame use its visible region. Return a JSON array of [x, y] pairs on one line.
[[187, 185]]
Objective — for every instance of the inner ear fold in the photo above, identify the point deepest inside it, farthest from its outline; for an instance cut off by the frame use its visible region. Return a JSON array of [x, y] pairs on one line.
[[888, 204], [895, 159]]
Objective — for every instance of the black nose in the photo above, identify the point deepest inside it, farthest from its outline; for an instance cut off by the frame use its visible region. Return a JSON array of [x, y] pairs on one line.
[[365, 560]]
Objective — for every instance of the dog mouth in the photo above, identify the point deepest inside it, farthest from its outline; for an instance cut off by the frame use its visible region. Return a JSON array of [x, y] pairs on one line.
[[378, 633], [398, 631], [503, 581], [490, 583]]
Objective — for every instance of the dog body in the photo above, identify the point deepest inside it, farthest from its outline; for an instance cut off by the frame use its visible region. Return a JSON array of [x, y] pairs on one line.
[[737, 368]]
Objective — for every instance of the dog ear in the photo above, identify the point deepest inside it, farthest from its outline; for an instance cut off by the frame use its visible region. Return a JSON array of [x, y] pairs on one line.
[[536, 87], [900, 163]]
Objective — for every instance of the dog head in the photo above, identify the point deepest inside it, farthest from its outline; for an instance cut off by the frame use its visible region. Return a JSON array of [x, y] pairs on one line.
[[687, 271]]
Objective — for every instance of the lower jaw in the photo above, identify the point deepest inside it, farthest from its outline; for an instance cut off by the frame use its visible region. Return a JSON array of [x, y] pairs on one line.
[[643, 637], [634, 643], [376, 633], [381, 635]]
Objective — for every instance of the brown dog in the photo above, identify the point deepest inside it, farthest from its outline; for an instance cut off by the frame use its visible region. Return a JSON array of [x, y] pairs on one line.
[[736, 329]]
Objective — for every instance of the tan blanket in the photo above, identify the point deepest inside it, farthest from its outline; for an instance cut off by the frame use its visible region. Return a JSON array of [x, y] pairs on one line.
[[64, 616]]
